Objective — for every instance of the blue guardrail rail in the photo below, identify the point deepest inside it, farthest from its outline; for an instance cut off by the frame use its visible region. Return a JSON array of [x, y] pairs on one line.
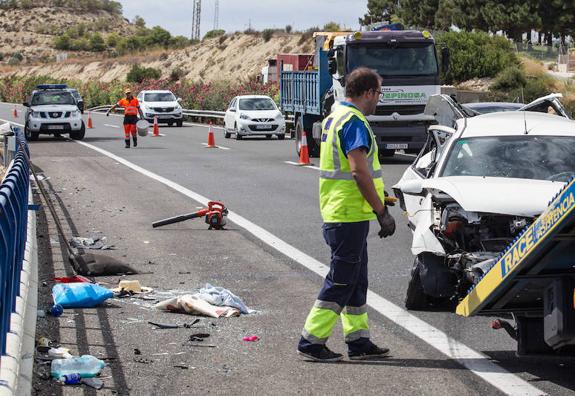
[[13, 230]]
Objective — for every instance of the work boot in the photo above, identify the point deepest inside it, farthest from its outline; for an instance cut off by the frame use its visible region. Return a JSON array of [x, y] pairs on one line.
[[322, 354], [369, 351], [127, 143], [135, 139]]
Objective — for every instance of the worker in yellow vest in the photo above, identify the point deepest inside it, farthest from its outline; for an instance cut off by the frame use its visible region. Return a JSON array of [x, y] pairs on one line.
[[351, 195]]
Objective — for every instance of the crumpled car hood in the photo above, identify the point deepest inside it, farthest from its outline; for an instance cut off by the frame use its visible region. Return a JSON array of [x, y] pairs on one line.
[[516, 197]]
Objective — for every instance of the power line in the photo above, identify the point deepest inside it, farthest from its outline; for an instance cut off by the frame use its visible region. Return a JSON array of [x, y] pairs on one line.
[[196, 19]]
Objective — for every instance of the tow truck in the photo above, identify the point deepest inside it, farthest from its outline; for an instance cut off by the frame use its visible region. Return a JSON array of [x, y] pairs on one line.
[[533, 282], [406, 60]]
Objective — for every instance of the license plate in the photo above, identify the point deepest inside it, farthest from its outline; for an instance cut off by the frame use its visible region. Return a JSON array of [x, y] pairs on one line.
[[396, 146], [55, 127], [263, 127]]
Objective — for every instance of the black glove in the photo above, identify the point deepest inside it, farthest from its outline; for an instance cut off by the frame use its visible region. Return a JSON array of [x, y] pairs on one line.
[[387, 224]]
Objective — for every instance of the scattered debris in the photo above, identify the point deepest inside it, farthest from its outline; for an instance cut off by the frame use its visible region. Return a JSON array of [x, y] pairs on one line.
[[143, 360], [55, 311], [164, 326], [90, 243], [86, 365], [80, 295], [99, 265], [73, 279], [196, 306], [131, 286], [181, 366], [251, 338], [137, 351], [222, 297], [59, 353], [95, 383], [199, 337]]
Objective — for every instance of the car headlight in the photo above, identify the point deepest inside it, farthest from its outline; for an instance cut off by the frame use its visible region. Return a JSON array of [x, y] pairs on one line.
[[244, 117], [35, 114], [279, 117], [76, 114], [148, 115]]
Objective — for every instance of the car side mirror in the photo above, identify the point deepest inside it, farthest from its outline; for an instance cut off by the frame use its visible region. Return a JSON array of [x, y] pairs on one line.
[[411, 187], [332, 65], [445, 59], [26, 104], [232, 109], [179, 100]]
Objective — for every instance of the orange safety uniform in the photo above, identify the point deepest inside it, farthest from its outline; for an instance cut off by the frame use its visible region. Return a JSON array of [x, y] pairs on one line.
[[130, 115]]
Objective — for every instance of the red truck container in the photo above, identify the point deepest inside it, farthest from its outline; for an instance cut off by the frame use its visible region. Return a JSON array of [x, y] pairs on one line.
[[294, 62]]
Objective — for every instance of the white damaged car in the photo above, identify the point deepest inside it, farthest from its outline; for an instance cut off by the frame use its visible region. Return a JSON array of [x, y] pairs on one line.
[[476, 184]]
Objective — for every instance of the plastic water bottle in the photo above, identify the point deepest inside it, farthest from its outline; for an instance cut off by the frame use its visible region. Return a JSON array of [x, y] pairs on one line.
[[56, 310], [86, 366], [71, 379]]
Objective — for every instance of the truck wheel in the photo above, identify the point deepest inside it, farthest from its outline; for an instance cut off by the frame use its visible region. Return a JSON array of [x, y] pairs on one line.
[[415, 298], [80, 134], [312, 147]]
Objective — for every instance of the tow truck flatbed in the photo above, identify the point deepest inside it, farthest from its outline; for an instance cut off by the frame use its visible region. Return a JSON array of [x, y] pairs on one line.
[[532, 280]]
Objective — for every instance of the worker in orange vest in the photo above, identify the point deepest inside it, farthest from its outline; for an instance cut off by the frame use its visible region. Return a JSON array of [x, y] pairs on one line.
[[131, 108]]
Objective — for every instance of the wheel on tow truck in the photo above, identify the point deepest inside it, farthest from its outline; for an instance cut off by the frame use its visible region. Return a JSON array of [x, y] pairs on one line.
[[79, 135]]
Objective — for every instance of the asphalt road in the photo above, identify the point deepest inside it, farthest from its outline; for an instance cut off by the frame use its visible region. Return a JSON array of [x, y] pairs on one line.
[[253, 179]]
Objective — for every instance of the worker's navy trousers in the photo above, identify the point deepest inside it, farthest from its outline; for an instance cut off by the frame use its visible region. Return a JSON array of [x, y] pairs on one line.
[[344, 291]]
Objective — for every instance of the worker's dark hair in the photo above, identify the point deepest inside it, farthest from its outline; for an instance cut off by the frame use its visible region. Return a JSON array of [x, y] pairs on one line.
[[360, 81]]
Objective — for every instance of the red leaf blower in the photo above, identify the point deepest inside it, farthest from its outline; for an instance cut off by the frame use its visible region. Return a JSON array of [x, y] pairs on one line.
[[215, 216]]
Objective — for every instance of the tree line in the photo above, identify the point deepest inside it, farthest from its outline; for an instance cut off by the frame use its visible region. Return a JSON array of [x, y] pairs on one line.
[[551, 18]]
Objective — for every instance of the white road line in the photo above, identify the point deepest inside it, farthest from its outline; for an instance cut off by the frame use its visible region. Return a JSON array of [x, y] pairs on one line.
[[112, 126], [220, 147], [477, 362], [302, 166], [202, 125]]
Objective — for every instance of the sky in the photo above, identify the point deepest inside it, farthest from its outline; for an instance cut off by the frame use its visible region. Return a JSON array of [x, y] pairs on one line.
[[236, 15]]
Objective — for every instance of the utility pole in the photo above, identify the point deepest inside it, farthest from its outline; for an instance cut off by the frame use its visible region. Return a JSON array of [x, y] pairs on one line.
[[196, 19], [217, 15]]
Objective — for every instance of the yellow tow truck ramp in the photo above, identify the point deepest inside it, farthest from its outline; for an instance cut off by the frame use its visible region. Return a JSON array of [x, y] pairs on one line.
[[533, 281]]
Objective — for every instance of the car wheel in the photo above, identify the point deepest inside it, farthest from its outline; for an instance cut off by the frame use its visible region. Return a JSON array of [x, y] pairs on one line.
[[238, 136], [170, 123], [415, 298], [79, 135], [180, 123], [281, 137], [268, 137], [30, 136], [227, 135]]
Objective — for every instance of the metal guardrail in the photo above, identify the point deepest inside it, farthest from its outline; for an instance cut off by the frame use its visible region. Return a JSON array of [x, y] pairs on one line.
[[13, 231]]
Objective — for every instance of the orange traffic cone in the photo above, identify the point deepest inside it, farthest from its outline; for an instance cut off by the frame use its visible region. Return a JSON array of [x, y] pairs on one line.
[[15, 112], [303, 151], [211, 138], [90, 124], [156, 127]]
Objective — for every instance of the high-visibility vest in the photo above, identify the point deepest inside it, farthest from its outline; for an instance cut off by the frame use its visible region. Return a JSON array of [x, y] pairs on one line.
[[130, 106], [340, 199]]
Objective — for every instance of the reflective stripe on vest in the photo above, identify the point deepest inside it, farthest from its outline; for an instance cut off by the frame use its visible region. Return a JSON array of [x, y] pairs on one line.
[[340, 198], [130, 106]]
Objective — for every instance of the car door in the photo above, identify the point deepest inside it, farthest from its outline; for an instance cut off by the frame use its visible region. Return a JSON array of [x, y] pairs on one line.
[[230, 117], [445, 110], [547, 104], [409, 191]]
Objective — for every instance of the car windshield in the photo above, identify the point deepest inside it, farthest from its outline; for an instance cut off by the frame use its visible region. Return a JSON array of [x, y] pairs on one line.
[[159, 97], [76, 94], [257, 104], [394, 61], [53, 98], [525, 157]]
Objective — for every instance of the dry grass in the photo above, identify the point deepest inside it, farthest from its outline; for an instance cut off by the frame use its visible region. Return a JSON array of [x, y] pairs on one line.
[[532, 67]]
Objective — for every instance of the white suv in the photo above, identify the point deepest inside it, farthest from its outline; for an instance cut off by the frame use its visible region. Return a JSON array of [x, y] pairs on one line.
[[53, 110], [161, 104], [254, 115]]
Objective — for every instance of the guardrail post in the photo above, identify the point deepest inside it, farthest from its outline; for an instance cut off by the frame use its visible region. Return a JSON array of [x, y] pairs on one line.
[[9, 149]]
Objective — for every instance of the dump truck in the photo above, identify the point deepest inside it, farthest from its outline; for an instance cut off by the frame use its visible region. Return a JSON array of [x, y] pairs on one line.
[[407, 61]]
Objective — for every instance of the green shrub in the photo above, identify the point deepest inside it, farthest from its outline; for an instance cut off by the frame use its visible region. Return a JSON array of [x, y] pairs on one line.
[[331, 27], [476, 55], [267, 34], [177, 74], [511, 78], [138, 74], [97, 43], [214, 33]]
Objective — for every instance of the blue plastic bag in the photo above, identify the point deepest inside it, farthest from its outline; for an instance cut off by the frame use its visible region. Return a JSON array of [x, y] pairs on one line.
[[80, 295]]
